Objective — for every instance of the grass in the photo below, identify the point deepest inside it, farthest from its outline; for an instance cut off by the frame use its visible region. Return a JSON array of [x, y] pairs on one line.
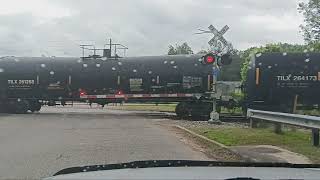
[[170, 107], [212, 150], [236, 110], [146, 107], [313, 112], [296, 141]]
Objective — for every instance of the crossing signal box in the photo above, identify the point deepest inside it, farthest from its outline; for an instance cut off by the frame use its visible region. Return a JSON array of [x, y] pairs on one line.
[[211, 58]]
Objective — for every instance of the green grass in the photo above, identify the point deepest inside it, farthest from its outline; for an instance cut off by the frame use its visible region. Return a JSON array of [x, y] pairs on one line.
[[145, 107], [236, 110], [296, 141], [313, 112]]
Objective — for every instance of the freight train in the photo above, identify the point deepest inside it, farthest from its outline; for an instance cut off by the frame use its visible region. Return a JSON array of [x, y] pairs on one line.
[[280, 81], [27, 83], [274, 82]]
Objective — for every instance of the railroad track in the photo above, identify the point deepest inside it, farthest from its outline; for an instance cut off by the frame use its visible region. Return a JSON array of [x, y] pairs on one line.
[[233, 118], [224, 117]]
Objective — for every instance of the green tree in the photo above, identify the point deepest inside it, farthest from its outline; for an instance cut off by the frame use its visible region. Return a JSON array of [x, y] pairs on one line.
[[172, 50], [180, 49], [311, 13], [203, 51]]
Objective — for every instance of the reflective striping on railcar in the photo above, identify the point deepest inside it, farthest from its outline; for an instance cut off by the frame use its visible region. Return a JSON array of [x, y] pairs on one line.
[[111, 96]]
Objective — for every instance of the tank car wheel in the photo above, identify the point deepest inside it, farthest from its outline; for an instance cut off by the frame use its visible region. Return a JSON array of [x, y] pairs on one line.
[[34, 106], [21, 107], [201, 111], [37, 106], [182, 110]]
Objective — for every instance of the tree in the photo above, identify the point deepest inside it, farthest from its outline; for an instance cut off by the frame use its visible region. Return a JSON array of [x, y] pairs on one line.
[[180, 49], [172, 50], [203, 51], [311, 13]]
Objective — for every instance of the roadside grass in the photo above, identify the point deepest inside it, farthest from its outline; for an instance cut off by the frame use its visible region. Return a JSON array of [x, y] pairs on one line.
[[313, 112], [170, 107], [145, 107], [236, 110], [298, 141], [212, 150]]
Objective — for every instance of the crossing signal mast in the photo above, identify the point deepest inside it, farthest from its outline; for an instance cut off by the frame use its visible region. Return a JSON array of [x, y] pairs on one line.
[[220, 55]]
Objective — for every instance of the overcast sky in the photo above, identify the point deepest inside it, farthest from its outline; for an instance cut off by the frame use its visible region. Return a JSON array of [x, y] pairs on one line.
[[147, 27]]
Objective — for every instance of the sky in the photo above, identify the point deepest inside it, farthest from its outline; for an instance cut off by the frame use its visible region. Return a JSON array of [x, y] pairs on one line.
[[146, 27]]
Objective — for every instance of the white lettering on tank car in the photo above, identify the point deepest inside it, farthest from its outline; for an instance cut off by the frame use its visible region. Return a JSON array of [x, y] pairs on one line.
[[21, 82]]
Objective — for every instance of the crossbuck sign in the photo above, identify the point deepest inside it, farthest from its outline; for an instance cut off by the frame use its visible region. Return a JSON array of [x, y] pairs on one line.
[[218, 42]]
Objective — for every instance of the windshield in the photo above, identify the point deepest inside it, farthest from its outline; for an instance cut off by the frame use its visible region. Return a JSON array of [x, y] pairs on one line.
[[104, 82]]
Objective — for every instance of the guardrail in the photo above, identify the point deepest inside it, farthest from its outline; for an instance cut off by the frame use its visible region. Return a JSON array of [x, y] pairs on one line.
[[311, 122]]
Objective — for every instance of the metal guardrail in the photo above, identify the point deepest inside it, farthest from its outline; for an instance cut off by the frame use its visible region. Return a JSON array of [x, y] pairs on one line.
[[293, 119], [306, 121]]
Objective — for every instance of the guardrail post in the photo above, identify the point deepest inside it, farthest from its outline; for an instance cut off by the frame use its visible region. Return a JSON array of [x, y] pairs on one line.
[[253, 123], [315, 137], [278, 128]]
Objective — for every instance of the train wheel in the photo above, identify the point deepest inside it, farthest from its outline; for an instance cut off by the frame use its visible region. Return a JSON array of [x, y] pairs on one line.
[[182, 110], [201, 111], [21, 106], [34, 106], [37, 106]]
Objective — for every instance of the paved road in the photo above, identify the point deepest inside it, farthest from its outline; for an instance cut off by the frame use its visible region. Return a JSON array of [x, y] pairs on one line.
[[38, 145]]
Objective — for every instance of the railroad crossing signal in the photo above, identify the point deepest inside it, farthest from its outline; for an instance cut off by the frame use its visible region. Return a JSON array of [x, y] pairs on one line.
[[218, 44], [209, 58], [214, 59]]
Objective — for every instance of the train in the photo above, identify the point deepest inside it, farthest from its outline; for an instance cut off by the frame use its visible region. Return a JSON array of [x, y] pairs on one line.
[[281, 81], [27, 83], [275, 82]]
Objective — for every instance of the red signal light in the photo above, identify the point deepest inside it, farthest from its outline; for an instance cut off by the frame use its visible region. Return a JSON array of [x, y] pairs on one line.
[[119, 92], [210, 59], [82, 93]]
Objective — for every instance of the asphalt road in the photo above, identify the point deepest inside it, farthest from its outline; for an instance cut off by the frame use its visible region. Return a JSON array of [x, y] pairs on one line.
[[38, 145]]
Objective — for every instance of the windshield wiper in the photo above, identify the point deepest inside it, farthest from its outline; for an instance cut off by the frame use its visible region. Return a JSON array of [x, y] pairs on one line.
[[178, 163]]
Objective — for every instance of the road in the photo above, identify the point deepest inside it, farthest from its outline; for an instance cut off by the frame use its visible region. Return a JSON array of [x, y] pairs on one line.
[[38, 145]]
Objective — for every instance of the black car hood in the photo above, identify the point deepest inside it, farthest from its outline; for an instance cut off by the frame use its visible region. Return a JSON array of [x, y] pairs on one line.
[[178, 163]]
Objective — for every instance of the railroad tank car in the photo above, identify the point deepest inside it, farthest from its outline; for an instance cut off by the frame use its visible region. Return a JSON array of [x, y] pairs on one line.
[[277, 81], [26, 83]]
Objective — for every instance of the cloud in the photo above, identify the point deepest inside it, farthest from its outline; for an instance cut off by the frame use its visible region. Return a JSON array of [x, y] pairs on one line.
[[146, 27]]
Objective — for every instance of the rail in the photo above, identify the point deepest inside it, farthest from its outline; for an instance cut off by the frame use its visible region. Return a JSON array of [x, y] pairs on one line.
[[306, 121]]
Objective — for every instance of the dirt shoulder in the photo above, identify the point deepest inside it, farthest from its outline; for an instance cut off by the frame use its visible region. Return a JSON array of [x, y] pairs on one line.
[[211, 150]]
